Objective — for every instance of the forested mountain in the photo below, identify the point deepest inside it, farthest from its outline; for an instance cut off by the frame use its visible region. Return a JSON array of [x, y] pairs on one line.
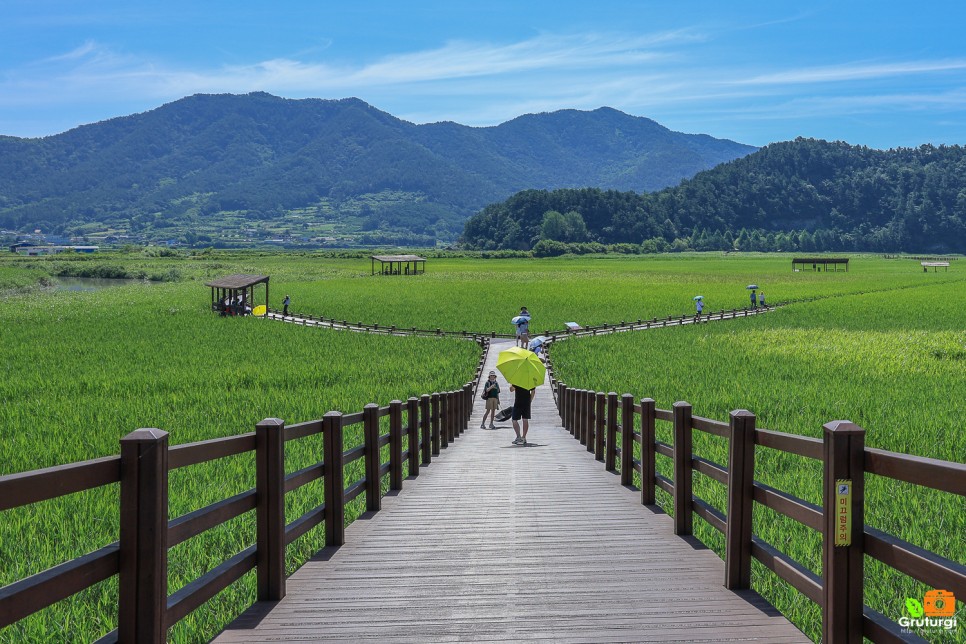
[[800, 195], [210, 161]]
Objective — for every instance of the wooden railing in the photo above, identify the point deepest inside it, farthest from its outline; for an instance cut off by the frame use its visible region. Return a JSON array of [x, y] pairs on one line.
[[145, 610], [606, 423], [600, 329]]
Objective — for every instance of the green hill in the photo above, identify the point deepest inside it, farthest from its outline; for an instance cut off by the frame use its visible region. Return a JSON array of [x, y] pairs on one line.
[[229, 166], [800, 195]]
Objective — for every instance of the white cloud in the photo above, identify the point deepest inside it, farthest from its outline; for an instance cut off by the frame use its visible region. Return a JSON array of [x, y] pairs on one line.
[[852, 71], [97, 68]]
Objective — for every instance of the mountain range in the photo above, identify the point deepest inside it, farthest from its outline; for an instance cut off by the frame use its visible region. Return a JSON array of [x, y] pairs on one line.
[[241, 168]]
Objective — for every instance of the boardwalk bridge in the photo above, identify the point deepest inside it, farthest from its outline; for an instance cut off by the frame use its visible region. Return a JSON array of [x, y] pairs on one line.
[[482, 540]]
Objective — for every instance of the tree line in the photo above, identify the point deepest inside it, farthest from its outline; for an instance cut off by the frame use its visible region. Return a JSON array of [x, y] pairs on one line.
[[802, 195]]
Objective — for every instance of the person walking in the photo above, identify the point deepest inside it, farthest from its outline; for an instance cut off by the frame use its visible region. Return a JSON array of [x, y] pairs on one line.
[[761, 299], [754, 303], [521, 411], [285, 304], [699, 306], [491, 394], [523, 328]]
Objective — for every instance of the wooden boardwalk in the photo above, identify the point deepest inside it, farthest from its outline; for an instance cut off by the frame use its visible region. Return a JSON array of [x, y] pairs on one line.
[[498, 542]]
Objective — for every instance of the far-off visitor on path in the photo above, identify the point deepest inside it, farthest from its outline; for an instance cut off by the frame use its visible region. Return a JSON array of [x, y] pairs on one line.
[[522, 322], [285, 304]]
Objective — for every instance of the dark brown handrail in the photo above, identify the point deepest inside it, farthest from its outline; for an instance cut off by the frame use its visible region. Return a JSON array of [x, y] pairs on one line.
[[209, 450], [25, 488]]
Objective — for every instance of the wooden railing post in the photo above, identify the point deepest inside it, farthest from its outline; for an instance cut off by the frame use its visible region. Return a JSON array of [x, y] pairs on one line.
[[461, 408], [412, 430], [467, 405], [682, 469], [457, 407], [457, 413], [452, 413], [741, 489], [334, 479], [444, 420], [648, 464], [610, 448], [842, 539], [434, 419], [395, 445], [571, 410], [601, 425], [424, 429], [627, 439], [270, 512], [370, 430], [591, 423], [143, 578], [562, 403], [580, 416]]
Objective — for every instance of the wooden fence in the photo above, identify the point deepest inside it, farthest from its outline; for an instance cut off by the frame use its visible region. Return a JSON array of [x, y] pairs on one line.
[[600, 329], [605, 423], [140, 557]]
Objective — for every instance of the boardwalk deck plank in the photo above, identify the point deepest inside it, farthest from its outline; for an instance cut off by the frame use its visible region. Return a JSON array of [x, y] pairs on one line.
[[497, 542]]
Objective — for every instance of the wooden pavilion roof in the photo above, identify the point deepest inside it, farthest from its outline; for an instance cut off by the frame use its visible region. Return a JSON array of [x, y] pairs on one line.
[[239, 281], [399, 258]]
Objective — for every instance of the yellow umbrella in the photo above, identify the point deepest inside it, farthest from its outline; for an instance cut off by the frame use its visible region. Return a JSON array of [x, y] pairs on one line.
[[521, 367]]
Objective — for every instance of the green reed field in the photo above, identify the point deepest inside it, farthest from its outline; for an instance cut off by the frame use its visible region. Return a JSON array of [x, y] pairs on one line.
[[881, 345]]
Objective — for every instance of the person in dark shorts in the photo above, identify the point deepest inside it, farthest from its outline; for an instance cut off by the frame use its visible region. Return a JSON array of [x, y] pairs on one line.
[[521, 410]]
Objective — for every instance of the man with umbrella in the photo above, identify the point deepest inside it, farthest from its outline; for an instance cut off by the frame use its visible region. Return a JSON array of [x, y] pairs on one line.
[[525, 372], [521, 410], [698, 307], [752, 287]]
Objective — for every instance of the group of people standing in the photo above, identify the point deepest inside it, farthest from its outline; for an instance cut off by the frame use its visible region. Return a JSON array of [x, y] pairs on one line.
[[756, 301], [760, 302], [521, 407], [521, 397]]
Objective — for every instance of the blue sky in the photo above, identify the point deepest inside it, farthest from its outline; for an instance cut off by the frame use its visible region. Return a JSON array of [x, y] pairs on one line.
[[882, 74]]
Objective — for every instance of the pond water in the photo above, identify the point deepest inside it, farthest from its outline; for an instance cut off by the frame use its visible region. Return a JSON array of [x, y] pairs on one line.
[[90, 283]]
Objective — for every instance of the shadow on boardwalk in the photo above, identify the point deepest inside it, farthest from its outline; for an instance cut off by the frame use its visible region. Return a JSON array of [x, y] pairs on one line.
[[497, 542]]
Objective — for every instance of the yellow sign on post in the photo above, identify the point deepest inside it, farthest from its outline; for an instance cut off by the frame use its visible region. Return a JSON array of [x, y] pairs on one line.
[[843, 512]]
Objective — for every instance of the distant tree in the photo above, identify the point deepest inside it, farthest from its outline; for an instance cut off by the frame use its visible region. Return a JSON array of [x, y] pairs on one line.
[[554, 227], [575, 226]]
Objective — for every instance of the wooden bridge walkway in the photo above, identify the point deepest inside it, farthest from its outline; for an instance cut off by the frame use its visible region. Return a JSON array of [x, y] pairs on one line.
[[603, 329], [498, 542]]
